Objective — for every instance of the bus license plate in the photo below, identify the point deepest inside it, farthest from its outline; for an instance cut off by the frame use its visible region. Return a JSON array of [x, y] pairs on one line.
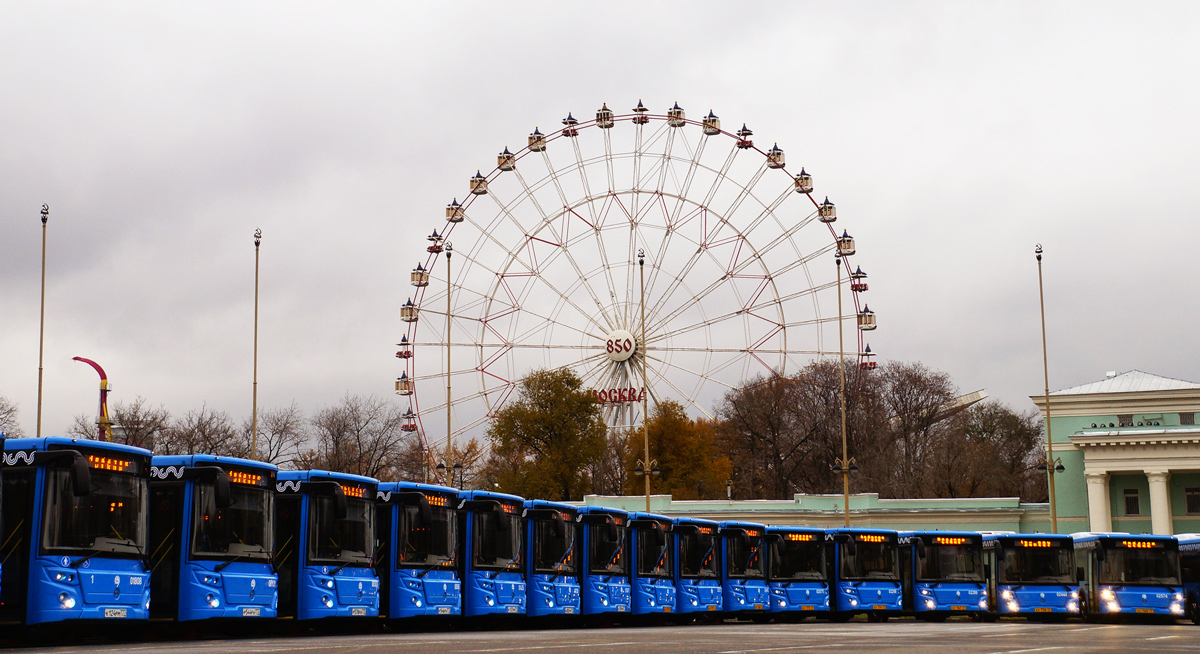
[[620, 608], [666, 609], [569, 610], [358, 611], [1145, 610], [116, 613], [251, 612], [808, 608], [958, 608], [758, 607], [1041, 609], [512, 609], [712, 607], [443, 610], [879, 607]]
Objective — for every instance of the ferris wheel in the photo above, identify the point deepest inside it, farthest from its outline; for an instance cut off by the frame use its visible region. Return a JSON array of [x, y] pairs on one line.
[[625, 243]]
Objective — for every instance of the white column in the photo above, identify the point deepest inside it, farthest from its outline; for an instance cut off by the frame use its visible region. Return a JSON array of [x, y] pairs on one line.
[[1099, 517], [1160, 502]]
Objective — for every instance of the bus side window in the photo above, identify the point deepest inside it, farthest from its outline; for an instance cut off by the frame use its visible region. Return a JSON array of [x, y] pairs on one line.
[[14, 546], [166, 542], [287, 552]]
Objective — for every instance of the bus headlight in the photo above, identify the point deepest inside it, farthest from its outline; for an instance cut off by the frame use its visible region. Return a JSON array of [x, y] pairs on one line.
[[930, 604], [853, 602], [1178, 597], [66, 601], [782, 604], [924, 591], [1012, 606], [329, 583], [1176, 608], [1107, 594], [213, 602], [983, 603], [1006, 594], [64, 576], [1073, 606], [694, 601], [327, 601], [489, 600], [1113, 607], [603, 601], [1073, 595]]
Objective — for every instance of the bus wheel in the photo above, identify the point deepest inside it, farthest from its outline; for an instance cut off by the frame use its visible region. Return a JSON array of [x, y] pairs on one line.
[[1192, 609]]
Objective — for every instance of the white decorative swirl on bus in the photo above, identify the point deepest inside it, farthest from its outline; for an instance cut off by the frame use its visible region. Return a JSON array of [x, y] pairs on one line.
[[161, 472], [11, 458], [385, 496], [287, 487]]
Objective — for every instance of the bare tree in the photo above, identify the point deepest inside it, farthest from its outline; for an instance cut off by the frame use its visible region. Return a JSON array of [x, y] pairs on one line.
[[361, 435], [281, 434], [9, 425], [202, 431], [134, 423]]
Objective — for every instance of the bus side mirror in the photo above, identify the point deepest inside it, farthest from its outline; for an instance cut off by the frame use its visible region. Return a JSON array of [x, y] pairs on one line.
[[81, 477], [851, 547], [501, 523], [1100, 554], [987, 571], [920, 545], [1079, 575], [417, 499], [221, 491]]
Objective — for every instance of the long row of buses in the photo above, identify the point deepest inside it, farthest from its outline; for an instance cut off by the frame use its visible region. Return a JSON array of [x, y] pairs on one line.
[[102, 531]]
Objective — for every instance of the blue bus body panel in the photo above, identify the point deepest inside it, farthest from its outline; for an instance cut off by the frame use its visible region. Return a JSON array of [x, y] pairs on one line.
[[1189, 549], [945, 596], [1031, 598], [241, 589], [601, 594], [702, 595], [100, 588], [879, 597], [798, 596], [1135, 599], [416, 592], [748, 595], [323, 590], [549, 594], [489, 592], [650, 595]]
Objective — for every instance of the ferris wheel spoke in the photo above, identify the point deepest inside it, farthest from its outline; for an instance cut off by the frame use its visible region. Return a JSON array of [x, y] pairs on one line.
[[678, 391], [583, 178]]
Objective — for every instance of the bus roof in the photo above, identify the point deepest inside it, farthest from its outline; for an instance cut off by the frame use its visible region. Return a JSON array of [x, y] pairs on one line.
[[642, 515], [64, 442], [312, 475], [1085, 536], [785, 529], [726, 524], [939, 532], [488, 495], [603, 509], [696, 521], [190, 460], [393, 486], [997, 535], [861, 530], [534, 504]]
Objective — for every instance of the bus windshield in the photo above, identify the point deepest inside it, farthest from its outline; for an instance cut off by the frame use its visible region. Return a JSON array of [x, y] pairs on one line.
[[340, 540], [241, 530], [654, 554], [697, 554], [553, 547], [432, 544], [1145, 567], [112, 519], [744, 559], [1038, 564], [497, 549], [870, 562], [607, 553], [797, 560], [950, 563]]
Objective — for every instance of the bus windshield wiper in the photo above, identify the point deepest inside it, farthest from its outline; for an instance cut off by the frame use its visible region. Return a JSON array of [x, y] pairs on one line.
[[79, 562], [430, 568], [225, 564]]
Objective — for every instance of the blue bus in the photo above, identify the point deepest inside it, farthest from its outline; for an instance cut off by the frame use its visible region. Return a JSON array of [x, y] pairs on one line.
[[492, 545], [75, 531], [324, 545], [942, 573], [1031, 575], [1124, 574], [417, 553], [744, 570], [211, 538], [1189, 571], [697, 566], [652, 570], [798, 570], [604, 561], [552, 566], [866, 579]]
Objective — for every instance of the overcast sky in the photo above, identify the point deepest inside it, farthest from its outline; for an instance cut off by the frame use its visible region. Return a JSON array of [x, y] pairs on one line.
[[953, 136]]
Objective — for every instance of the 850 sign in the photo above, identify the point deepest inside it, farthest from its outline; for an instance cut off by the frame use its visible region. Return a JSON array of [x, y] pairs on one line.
[[620, 345]]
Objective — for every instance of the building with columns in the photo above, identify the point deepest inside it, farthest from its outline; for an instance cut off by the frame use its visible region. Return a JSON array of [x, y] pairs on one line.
[[1131, 441]]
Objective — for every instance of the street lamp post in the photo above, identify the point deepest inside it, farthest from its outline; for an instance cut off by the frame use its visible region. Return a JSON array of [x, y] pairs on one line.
[[449, 251], [254, 384], [1052, 465], [42, 327], [645, 463], [844, 464]]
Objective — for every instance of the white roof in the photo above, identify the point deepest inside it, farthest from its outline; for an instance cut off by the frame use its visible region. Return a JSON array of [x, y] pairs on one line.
[[1134, 381]]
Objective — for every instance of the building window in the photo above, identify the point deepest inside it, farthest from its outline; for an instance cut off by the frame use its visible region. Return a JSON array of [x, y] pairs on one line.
[[1132, 504], [1187, 418], [1125, 420], [1192, 497]]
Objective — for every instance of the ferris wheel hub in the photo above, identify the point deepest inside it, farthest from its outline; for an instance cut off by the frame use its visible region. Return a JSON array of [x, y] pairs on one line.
[[620, 345]]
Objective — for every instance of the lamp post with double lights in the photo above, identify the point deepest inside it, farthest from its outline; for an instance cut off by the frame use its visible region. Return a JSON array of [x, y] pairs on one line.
[[42, 326], [254, 383], [845, 464], [1052, 464]]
